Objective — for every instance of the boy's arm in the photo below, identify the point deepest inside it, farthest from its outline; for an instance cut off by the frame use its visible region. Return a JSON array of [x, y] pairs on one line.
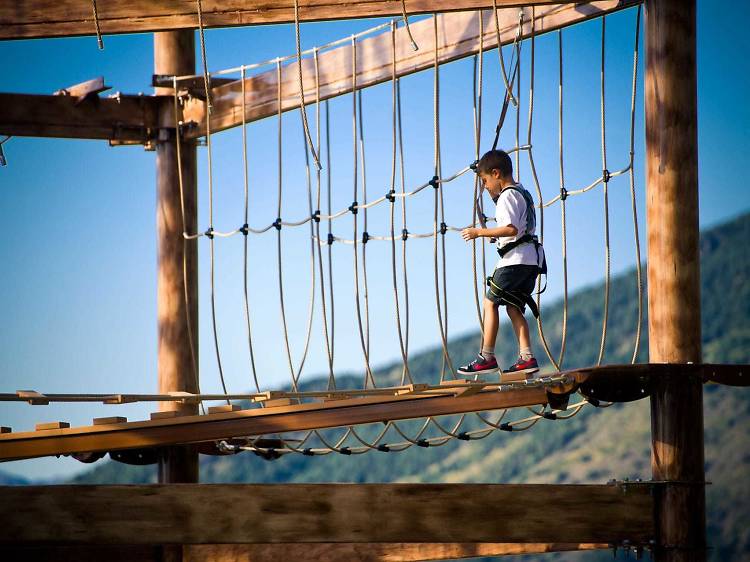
[[498, 232]]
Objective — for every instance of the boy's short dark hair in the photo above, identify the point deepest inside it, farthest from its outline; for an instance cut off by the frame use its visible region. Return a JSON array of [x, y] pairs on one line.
[[495, 160]]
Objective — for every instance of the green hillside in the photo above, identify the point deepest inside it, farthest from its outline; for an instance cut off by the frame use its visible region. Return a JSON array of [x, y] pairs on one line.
[[596, 445]]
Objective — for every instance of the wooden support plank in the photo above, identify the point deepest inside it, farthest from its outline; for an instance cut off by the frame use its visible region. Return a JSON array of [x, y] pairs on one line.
[[311, 513], [41, 18], [110, 420], [52, 425], [5, 429], [458, 37], [125, 118], [261, 421], [224, 408], [84, 89], [33, 397], [333, 552], [166, 414]]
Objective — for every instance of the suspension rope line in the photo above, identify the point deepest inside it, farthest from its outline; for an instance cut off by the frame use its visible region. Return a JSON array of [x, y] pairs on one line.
[[302, 109], [563, 221], [186, 293], [246, 299], [405, 374], [369, 378], [605, 186]]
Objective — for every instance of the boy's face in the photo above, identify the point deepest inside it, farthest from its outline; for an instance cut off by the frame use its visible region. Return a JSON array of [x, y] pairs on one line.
[[491, 181]]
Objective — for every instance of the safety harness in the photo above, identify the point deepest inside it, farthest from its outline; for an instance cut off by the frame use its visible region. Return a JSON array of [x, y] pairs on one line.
[[518, 298]]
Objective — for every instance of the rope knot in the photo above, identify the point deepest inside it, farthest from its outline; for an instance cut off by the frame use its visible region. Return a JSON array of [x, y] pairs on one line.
[[245, 229], [434, 182], [316, 215], [353, 208], [277, 224], [210, 233], [404, 234]]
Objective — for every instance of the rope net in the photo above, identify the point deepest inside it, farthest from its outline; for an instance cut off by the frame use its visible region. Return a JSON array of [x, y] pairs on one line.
[[330, 243]]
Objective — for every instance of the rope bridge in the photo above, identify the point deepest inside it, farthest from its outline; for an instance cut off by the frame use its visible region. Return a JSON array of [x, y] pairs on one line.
[[431, 431]]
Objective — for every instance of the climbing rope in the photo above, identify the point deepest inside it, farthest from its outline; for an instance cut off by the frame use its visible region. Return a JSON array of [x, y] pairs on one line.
[[302, 109], [99, 40]]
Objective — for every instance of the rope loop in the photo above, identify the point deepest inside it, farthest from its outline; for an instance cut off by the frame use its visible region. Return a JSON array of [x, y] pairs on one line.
[[277, 224], [210, 233], [353, 208], [245, 229]]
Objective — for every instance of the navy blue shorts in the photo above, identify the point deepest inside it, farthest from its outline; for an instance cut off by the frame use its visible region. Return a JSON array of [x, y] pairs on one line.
[[514, 278]]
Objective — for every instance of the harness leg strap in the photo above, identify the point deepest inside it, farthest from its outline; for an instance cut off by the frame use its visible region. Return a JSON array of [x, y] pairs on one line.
[[513, 298]]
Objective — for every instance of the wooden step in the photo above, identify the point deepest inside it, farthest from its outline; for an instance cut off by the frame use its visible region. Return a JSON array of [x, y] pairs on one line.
[[110, 420], [52, 425], [223, 409], [166, 415]]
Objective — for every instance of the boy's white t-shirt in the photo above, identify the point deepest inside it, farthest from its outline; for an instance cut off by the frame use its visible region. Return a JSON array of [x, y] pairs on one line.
[[510, 209]]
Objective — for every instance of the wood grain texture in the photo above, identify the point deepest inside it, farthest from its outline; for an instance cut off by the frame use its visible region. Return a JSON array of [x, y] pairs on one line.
[[311, 513], [129, 118], [458, 37], [58, 18]]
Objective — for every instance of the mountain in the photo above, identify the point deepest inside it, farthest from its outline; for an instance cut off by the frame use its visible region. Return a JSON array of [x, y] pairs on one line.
[[594, 446]]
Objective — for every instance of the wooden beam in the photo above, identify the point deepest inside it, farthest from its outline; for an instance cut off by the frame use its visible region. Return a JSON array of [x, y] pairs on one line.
[[328, 552], [458, 37], [258, 421], [121, 118], [41, 18], [312, 513]]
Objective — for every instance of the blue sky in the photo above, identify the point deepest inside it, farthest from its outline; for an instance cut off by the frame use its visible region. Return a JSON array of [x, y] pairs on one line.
[[79, 297]]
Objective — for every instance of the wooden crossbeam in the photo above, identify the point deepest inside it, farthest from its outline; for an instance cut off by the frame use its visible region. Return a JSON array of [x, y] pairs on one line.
[[41, 18], [122, 118], [327, 552], [260, 421], [458, 37], [325, 513]]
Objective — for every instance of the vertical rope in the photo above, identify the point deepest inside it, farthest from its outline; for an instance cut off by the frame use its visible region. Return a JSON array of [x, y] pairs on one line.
[[517, 76], [414, 45], [562, 203], [245, 232], [302, 109], [330, 233], [438, 206], [99, 40], [406, 374], [605, 183], [477, 210], [403, 220], [206, 75], [632, 189], [186, 294], [503, 72], [364, 217], [368, 372]]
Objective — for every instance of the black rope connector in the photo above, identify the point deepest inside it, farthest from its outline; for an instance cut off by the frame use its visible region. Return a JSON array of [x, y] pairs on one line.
[[365, 237], [606, 176], [330, 239], [506, 427], [474, 165], [443, 228], [384, 448], [485, 218], [316, 216], [210, 233], [353, 208], [345, 451], [308, 452], [404, 234], [549, 416], [563, 194], [593, 401], [434, 182], [277, 224], [463, 436], [391, 195], [423, 443], [245, 229]]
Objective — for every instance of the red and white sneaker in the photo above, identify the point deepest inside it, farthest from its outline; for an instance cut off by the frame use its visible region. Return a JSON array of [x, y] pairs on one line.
[[480, 366], [521, 366]]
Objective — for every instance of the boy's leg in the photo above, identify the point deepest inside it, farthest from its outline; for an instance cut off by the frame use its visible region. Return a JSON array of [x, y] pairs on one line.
[[526, 361], [485, 361]]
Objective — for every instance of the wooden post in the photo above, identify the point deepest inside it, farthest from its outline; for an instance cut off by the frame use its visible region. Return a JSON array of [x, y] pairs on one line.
[[674, 276], [174, 54]]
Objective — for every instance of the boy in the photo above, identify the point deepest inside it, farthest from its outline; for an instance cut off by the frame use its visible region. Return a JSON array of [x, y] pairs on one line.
[[521, 260]]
